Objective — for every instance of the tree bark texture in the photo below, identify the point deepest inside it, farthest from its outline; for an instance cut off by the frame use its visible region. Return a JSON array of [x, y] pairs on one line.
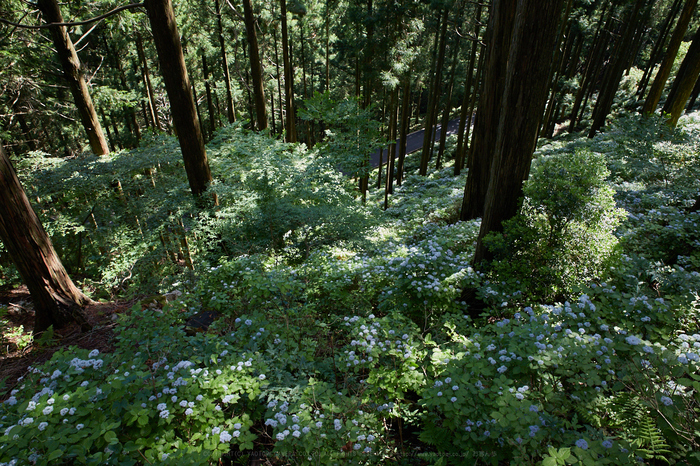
[[499, 31], [684, 83], [177, 84], [524, 98], [255, 67], [57, 301], [73, 74], [657, 87]]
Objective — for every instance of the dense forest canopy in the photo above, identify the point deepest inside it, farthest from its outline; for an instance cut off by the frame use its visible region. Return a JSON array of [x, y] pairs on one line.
[[246, 232]]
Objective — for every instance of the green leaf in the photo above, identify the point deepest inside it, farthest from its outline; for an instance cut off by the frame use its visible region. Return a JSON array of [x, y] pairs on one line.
[[111, 437]]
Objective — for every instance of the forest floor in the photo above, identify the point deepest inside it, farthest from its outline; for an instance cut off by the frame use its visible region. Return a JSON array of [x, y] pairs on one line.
[[16, 357]]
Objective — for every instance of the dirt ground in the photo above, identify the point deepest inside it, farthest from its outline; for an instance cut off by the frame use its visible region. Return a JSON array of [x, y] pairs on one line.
[[14, 360]]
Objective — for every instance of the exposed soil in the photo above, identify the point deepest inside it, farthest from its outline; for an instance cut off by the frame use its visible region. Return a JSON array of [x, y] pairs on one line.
[[14, 359]]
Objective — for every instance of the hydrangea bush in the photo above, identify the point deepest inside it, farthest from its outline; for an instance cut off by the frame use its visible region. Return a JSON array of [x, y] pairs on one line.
[[360, 350]]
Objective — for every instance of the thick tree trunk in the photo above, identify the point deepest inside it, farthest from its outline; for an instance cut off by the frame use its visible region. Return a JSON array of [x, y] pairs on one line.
[[255, 66], [177, 84], [73, 74], [499, 31], [521, 107], [684, 83], [288, 80], [657, 87], [57, 301]]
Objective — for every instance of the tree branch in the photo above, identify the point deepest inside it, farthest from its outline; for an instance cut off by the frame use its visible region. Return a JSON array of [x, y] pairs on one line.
[[131, 6]]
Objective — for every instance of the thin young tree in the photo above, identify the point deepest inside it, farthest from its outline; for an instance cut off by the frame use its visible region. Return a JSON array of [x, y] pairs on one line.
[[57, 301], [615, 69], [291, 135]]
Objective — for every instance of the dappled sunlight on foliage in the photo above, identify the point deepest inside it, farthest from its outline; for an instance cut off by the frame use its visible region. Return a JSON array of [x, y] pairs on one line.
[[343, 335]]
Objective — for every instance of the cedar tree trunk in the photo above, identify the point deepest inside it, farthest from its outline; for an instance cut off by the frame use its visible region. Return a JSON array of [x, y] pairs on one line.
[[177, 84], [73, 74], [57, 301], [662, 75], [684, 83], [255, 66], [288, 79], [522, 104], [498, 34]]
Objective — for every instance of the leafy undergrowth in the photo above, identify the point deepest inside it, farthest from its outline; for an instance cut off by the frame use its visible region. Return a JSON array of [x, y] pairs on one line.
[[356, 342]]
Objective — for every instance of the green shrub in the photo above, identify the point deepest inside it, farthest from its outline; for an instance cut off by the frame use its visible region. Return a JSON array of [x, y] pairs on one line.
[[563, 235]]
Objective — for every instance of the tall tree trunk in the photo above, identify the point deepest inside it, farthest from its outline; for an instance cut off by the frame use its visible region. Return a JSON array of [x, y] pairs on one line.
[[600, 40], [657, 87], [199, 113], [230, 109], [499, 30], [328, 52], [478, 86], [57, 301], [131, 121], [464, 125], [693, 97], [521, 107], [73, 74], [391, 155], [616, 68], [684, 83], [279, 80], [177, 84], [403, 132], [431, 118], [288, 79], [446, 112], [658, 47], [368, 56], [152, 108], [255, 66], [207, 88]]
